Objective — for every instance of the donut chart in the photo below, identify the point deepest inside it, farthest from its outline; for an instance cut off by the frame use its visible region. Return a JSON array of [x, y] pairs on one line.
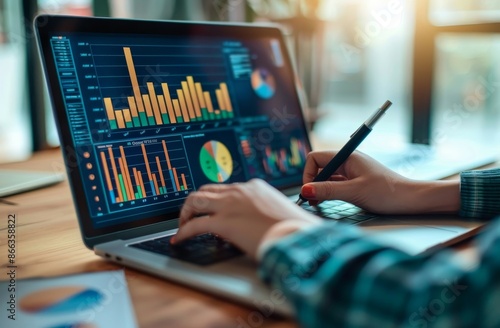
[[216, 161], [263, 83], [61, 300]]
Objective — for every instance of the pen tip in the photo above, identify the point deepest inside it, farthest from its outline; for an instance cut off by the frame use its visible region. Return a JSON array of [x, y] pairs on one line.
[[299, 202]]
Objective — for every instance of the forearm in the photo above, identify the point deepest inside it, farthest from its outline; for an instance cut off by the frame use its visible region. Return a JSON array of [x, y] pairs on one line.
[[336, 276], [436, 196], [476, 194]]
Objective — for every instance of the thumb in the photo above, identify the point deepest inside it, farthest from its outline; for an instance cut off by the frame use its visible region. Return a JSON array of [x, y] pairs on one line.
[[328, 190]]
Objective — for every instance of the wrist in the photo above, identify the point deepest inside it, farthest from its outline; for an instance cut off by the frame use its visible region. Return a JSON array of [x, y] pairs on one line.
[[437, 196], [280, 230]]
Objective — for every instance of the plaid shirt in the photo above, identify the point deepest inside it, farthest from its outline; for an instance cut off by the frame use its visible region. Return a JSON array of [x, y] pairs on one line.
[[336, 276]]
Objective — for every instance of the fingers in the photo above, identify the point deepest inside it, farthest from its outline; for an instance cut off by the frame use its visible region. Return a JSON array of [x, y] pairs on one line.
[[328, 190], [315, 161], [193, 228], [199, 202], [214, 187]]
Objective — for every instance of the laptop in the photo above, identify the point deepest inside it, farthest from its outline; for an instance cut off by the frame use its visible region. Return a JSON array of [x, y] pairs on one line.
[[148, 111]]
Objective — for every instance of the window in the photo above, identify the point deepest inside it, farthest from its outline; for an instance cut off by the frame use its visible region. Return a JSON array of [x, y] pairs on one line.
[[15, 136]]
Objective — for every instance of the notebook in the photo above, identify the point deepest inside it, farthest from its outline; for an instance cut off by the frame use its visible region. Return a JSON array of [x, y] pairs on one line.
[[149, 111], [17, 181]]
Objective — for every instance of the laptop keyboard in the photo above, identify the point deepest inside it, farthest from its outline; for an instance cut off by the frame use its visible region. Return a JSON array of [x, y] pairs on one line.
[[339, 211], [202, 250], [209, 249]]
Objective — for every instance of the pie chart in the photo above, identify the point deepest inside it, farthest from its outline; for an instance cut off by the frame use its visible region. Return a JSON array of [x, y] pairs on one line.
[[216, 161], [263, 83], [61, 300]]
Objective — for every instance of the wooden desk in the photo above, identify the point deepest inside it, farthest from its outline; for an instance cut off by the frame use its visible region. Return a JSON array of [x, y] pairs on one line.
[[49, 244]]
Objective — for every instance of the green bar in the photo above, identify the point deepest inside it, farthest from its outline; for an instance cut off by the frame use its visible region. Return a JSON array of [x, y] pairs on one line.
[[179, 119], [129, 124], [144, 120], [211, 115], [165, 119], [112, 124], [137, 122], [204, 114], [223, 113], [164, 190], [124, 192], [139, 191], [151, 120], [230, 114], [137, 195], [218, 116], [182, 187]]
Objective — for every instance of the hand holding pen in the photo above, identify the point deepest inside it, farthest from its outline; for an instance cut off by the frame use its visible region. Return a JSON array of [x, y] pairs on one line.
[[351, 145]]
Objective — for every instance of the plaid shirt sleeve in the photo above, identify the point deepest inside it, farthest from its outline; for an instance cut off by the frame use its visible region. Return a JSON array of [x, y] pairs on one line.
[[336, 276], [480, 193]]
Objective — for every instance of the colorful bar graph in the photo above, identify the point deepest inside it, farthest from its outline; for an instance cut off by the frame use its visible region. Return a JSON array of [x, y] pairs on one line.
[[151, 173], [157, 107], [283, 159]]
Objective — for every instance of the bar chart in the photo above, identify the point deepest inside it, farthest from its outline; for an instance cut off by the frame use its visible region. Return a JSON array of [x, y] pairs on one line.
[[281, 160], [172, 105], [148, 169]]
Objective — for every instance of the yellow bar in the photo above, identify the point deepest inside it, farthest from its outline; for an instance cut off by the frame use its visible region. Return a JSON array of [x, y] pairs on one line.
[[126, 115], [109, 108], [124, 177], [168, 101], [115, 174], [176, 179], [147, 103], [192, 90], [225, 97], [208, 100], [156, 184], [163, 108], [166, 154], [119, 119], [127, 171], [220, 100], [142, 184], [146, 161], [199, 91], [160, 171], [136, 179], [154, 101], [133, 78], [185, 114], [177, 107], [184, 181], [187, 96], [106, 171], [133, 109]]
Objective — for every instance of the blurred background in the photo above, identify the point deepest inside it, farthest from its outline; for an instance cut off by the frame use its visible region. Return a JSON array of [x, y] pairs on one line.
[[437, 60]]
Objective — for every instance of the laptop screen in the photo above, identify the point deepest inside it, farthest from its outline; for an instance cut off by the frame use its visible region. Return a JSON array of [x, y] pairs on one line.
[[153, 117]]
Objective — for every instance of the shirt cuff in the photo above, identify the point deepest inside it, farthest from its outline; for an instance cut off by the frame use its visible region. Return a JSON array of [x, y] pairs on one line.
[[303, 247], [480, 193]]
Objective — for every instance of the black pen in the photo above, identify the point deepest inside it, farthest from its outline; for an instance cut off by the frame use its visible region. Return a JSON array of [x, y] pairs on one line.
[[356, 138]]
